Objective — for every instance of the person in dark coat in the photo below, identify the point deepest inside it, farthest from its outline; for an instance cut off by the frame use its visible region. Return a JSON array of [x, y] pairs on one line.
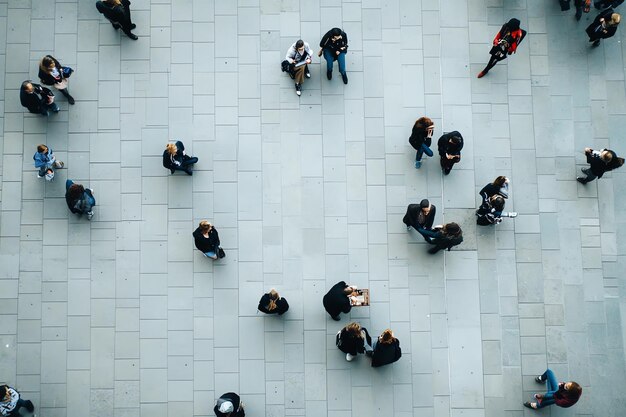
[[337, 299], [605, 4], [449, 145], [562, 394], [421, 139], [79, 199], [175, 158], [229, 405], [273, 303], [599, 162], [420, 216], [118, 13], [505, 43], [499, 186], [37, 99], [52, 73], [443, 237], [351, 340], [207, 240], [491, 211], [603, 26], [386, 349], [334, 46]]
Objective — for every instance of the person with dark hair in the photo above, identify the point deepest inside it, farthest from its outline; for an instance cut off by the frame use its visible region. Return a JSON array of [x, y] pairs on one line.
[[421, 139], [45, 160], [562, 394], [334, 46], [118, 13], [229, 405], [52, 73], [273, 303], [386, 349], [10, 402], [175, 158], [37, 99], [601, 161], [79, 199], [299, 56], [338, 299], [505, 43], [491, 211], [449, 145], [351, 340], [603, 26], [420, 216], [499, 186], [443, 237]]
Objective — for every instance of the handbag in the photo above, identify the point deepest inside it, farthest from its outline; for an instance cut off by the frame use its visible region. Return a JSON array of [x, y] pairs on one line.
[[62, 85], [220, 253], [67, 72]]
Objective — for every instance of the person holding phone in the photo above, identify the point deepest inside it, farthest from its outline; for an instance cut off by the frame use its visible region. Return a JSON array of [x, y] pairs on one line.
[[37, 99], [334, 46], [421, 139], [505, 43]]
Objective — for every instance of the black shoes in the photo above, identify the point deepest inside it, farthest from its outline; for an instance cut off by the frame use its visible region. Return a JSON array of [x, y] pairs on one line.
[[539, 379], [596, 43], [133, 26], [329, 75], [336, 318], [132, 35], [344, 77], [70, 100], [581, 180], [433, 251]]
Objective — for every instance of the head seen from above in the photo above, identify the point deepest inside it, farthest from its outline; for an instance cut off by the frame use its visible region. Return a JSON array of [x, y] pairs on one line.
[[205, 226], [47, 64], [387, 337], [42, 148]]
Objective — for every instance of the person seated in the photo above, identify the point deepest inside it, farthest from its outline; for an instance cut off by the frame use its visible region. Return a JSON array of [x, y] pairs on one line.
[[79, 199], [298, 57], [338, 299], [175, 158], [229, 405], [45, 160], [273, 303], [491, 211]]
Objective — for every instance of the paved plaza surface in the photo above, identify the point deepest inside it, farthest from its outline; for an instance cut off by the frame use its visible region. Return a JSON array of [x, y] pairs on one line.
[[122, 317]]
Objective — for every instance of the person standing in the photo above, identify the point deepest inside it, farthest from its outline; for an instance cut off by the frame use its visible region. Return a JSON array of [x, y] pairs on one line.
[[37, 99], [599, 162], [351, 340], [337, 299], [207, 240], [79, 199], [443, 237], [273, 303], [562, 394], [449, 145], [505, 43], [605, 4], [11, 402], [52, 73], [299, 57], [175, 158], [44, 160], [229, 405], [118, 13], [603, 26], [386, 349], [421, 139], [420, 216], [499, 186], [334, 46], [491, 211]]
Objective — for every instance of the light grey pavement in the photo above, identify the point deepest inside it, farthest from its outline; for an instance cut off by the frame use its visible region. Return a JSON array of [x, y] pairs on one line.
[[123, 317]]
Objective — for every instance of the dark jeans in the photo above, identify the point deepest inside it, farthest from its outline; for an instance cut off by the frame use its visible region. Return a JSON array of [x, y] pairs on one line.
[[428, 235], [552, 387], [28, 404], [492, 63], [423, 150], [47, 108], [330, 59]]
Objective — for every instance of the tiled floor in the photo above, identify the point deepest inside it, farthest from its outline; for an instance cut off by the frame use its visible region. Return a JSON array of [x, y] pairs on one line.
[[123, 317]]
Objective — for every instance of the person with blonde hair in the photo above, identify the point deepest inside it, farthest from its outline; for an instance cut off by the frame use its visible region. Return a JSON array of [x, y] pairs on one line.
[[207, 240], [603, 26], [175, 158], [118, 13], [352, 340], [421, 139], [386, 349], [273, 303], [600, 162], [51, 72]]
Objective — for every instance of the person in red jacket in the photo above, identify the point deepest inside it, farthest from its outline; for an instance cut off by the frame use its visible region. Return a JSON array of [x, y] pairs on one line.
[[563, 394], [505, 43]]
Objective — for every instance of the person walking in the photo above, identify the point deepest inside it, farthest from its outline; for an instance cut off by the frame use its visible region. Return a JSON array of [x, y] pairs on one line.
[[603, 26], [118, 13], [37, 99], [11, 402], [505, 43], [420, 216], [421, 139], [273, 303], [601, 161], [175, 158], [499, 186], [229, 405], [79, 199], [491, 211], [449, 145], [298, 58], [52, 73], [334, 46], [45, 160], [605, 4], [337, 300], [351, 340], [443, 237], [562, 394], [207, 240], [386, 349]]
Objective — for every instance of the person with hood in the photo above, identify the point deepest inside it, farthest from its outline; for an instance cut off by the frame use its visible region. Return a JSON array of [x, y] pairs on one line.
[[386, 349], [338, 299], [175, 158], [561, 394], [37, 99], [45, 159], [273, 303], [421, 139], [420, 216], [79, 199], [599, 162], [229, 405], [603, 26], [207, 240], [118, 13], [505, 43], [352, 340], [443, 237]]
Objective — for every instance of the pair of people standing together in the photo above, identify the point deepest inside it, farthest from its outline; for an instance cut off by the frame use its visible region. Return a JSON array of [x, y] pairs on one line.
[[41, 100], [449, 145]]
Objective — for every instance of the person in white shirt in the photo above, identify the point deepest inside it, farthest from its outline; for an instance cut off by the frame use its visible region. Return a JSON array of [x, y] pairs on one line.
[[299, 56]]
